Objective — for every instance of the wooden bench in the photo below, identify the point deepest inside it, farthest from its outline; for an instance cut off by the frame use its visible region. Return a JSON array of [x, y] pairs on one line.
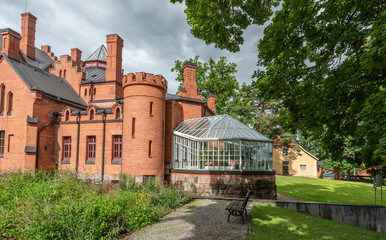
[[238, 207]]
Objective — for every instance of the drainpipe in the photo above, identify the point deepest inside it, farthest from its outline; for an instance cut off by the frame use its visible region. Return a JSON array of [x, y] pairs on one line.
[[92, 91], [103, 145], [54, 115], [77, 143]]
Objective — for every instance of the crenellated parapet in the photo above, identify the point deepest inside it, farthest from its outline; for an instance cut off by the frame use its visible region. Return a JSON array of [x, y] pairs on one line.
[[142, 78]]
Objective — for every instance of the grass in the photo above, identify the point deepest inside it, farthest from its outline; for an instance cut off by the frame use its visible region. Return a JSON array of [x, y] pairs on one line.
[[271, 222], [60, 206], [328, 190]]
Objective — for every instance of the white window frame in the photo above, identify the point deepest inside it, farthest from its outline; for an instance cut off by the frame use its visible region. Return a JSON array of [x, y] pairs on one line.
[[302, 170]]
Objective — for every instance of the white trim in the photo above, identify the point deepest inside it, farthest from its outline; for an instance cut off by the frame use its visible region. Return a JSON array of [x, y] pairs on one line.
[[300, 170]]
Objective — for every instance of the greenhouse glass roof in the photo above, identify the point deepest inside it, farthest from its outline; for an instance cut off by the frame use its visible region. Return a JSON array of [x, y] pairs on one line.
[[221, 127]]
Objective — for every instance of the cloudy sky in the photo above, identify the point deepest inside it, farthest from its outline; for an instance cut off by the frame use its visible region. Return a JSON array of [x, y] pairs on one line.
[[155, 33]]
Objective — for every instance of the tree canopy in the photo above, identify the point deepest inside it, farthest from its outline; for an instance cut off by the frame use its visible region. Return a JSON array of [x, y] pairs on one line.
[[213, 77], [325, 60]]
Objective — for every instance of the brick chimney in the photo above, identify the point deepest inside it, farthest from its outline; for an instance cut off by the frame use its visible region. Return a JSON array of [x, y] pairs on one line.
[[28, 26], [189, 87], [46, 48], [114, 58], [212, 102], [11, 44], [76, 55]]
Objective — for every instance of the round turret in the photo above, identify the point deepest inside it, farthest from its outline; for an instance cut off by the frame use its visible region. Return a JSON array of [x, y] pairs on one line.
[[143, 125]]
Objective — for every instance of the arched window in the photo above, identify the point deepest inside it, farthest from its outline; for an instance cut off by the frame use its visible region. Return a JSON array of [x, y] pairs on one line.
[[2, 99], [67, 115], [94, 92], [85, 92], [117, 113], [10, 103], [60, 73], [92, 114], [64, 74]]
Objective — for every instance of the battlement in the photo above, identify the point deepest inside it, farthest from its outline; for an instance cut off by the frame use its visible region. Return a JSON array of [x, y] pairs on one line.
[[142, 78]]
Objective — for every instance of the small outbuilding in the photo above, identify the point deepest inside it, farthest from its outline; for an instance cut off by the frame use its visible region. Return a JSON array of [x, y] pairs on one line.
[[220, 156]]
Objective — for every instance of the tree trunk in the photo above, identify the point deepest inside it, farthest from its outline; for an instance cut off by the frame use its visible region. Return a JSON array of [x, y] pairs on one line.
[[336, 173]]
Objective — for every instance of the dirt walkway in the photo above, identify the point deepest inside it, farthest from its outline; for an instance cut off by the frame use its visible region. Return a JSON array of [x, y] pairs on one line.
[[200, 219]]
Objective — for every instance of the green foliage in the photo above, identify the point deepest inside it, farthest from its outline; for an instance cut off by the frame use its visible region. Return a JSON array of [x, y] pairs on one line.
[[271, 222], [60, 206], [327, 190], [323, 59], [213, 77]]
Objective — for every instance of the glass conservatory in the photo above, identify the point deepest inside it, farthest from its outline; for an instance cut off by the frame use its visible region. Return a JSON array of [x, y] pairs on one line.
[[220, 143]]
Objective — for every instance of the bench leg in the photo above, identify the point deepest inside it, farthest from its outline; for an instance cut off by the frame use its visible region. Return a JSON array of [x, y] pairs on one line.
[[229, 215], [242, 216]]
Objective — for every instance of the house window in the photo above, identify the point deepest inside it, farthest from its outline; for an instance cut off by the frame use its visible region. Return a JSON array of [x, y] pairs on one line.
[[67, 116], [150, 142], [303, 168], [151, 109], [285, 152], [66, 147], [94, 92], [133, 128], [60, 73], [2, 134], [64, 74], [2, 99], [92, 114], [148, 179], [117, 148], [85, 92], [91, 146], [117, 113], [10, 103]]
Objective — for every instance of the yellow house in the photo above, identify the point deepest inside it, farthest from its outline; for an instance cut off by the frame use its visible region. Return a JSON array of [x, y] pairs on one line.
[[301, 163]]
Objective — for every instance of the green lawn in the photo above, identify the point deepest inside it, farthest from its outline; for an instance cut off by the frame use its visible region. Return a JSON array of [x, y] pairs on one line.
[[328, 190], [270, 222]]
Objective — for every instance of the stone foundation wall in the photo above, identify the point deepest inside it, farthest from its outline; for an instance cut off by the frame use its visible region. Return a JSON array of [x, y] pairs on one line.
[[262, 186]]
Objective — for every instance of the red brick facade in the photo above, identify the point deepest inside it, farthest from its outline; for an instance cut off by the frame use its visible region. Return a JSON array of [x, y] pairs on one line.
[[130, 117]]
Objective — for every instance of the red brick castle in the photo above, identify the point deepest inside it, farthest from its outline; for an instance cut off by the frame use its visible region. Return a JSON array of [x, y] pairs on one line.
[[89, 118]]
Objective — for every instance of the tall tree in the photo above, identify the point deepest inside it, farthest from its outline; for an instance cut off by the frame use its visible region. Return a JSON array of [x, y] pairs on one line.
[[324, 59], [213, 77]]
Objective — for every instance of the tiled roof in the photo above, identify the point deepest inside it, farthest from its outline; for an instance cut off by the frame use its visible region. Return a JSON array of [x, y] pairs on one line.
[[51, 85], [98, 55], [94, 75]]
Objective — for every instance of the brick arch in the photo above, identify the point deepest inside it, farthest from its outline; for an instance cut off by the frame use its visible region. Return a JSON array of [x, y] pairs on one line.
[[66, 114], [117, 110], [91, 111]]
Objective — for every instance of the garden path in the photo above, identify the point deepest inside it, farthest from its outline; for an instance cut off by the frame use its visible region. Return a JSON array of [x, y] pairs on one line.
[[200, 219]]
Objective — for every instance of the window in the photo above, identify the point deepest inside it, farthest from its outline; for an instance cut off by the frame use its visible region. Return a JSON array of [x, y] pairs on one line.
[[67, 116], [150, 142], [91, 145], [285, 163], [94, 92], [60, 73], [151, 109], [285, 152], [148, 178], [117, 147], [2, 134], [66, 147], [85, 92], [92, 114], [117, 113], [2, 99], [64, 74], [10, 103], [133, 128], [303, 168]]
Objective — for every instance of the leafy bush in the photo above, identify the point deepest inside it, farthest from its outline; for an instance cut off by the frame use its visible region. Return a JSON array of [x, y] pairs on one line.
[[60, 206]]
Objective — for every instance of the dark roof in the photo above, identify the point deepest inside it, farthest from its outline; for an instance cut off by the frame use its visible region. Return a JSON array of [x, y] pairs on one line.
[[9, 30], [189, 63], [94, 75], [42, 60], [51, 85], [176, 97], [98, 55]]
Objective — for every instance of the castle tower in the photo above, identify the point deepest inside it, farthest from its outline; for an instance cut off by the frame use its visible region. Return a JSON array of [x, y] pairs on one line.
[[144, 126]]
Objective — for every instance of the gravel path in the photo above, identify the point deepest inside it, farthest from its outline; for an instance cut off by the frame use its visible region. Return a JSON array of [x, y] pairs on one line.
[[200, 219]]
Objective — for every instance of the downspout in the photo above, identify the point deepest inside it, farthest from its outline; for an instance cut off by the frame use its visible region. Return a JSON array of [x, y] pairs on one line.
[[77, 143], [103, 146], [54, 115], [92, 91]]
